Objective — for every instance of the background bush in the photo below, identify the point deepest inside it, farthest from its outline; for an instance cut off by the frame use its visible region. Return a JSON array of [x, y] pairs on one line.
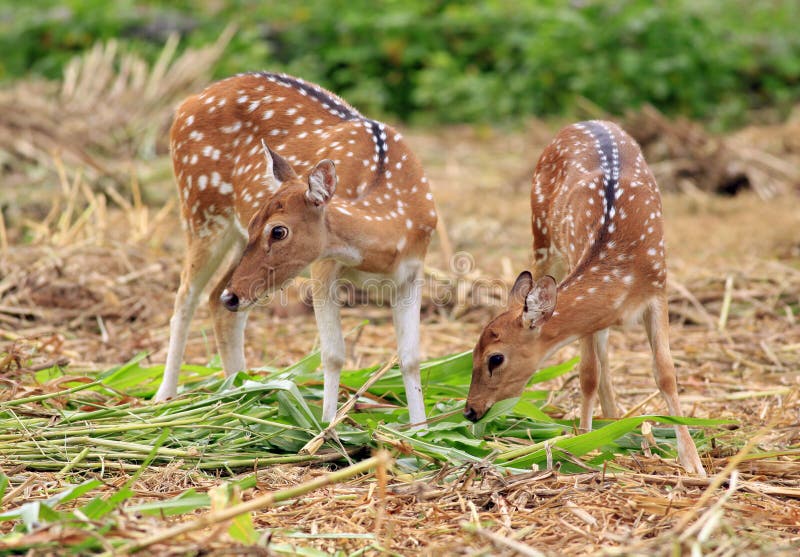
[[458, 61]]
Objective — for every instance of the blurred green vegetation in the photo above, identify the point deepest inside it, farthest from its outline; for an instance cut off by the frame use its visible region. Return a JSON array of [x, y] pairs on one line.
[[458, 60]]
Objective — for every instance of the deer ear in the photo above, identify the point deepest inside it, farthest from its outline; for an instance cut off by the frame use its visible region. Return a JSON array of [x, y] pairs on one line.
[[521, 287], [540, 302], [277, 170], [321, 183]]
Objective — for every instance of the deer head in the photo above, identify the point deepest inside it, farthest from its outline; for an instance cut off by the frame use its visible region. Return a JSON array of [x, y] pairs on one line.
[[511, 346], [285, 235]]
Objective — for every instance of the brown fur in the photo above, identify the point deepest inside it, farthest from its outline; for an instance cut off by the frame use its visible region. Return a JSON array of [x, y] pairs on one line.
[[260, 151], [611, 266]]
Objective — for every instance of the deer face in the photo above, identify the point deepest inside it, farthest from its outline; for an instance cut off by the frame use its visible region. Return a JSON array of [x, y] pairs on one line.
[[286, 234], [511, 346]]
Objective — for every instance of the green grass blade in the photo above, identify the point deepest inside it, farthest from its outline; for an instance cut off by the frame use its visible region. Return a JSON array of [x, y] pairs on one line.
[[292, 549], [186, 502], [526, 408], [44, 511], [580, 445], [442, 453], [307, 365], [99, 507], [242, 529], [552, 372]]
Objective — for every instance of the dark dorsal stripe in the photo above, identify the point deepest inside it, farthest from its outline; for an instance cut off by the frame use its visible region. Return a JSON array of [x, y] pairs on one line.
[[379, 139], [341, 109], [329, 102], [608, 153]]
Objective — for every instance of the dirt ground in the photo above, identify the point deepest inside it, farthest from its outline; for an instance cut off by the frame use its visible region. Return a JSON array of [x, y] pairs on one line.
[[99, 296]]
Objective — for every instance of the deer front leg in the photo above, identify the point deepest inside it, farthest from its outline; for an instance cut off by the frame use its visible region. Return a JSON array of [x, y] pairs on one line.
[[656, 322], [228, 326], [406, 314], [185, 306], [202, 260], [326, 312], [588, 372]]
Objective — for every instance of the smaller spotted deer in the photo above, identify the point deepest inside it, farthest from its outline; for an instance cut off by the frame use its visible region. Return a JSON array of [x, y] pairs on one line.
[[334, 190], [597, 226]]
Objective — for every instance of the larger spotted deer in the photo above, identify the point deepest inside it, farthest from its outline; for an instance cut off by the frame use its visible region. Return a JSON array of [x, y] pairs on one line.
[[597, 227], [278, 174]]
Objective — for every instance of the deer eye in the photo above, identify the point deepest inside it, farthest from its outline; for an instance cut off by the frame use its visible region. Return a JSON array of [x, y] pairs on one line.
[[495, 361], [279, 232]]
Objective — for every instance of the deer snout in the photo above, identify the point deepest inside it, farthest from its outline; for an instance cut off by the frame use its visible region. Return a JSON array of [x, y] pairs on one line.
[[229, 300], [473, 415]]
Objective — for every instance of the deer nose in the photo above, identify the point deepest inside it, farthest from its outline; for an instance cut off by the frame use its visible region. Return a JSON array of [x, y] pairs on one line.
[[471, 414], [229, 300]]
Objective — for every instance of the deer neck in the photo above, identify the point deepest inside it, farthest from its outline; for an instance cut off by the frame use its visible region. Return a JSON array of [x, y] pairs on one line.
[[584, 307], [346, 238], [358, 240]]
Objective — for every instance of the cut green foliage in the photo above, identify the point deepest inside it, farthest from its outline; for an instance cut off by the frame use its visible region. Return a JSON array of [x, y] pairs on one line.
[[245, 421]]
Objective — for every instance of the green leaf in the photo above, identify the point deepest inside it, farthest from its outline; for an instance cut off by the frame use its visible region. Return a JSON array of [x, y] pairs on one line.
[[128, 373], [307, 365], [188, 501], [455, 438], [289, 407], [34, 513], [552, 372], [242, 529], [438, 376], [500, 408], [3, 484], [528, 409], [293, 549], [99, 507], [247, 482], [75, 492], [582, 444], [440, 452]]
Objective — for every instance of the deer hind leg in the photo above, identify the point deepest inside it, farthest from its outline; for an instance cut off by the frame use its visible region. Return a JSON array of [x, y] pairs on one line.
[[656, 322], [588, 371], [607, 399], [228, 325], [406, 315], [326, 311], [202, 259]]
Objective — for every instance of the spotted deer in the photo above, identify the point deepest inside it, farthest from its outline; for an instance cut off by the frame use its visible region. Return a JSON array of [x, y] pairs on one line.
[[278, 174], [598, 228]]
